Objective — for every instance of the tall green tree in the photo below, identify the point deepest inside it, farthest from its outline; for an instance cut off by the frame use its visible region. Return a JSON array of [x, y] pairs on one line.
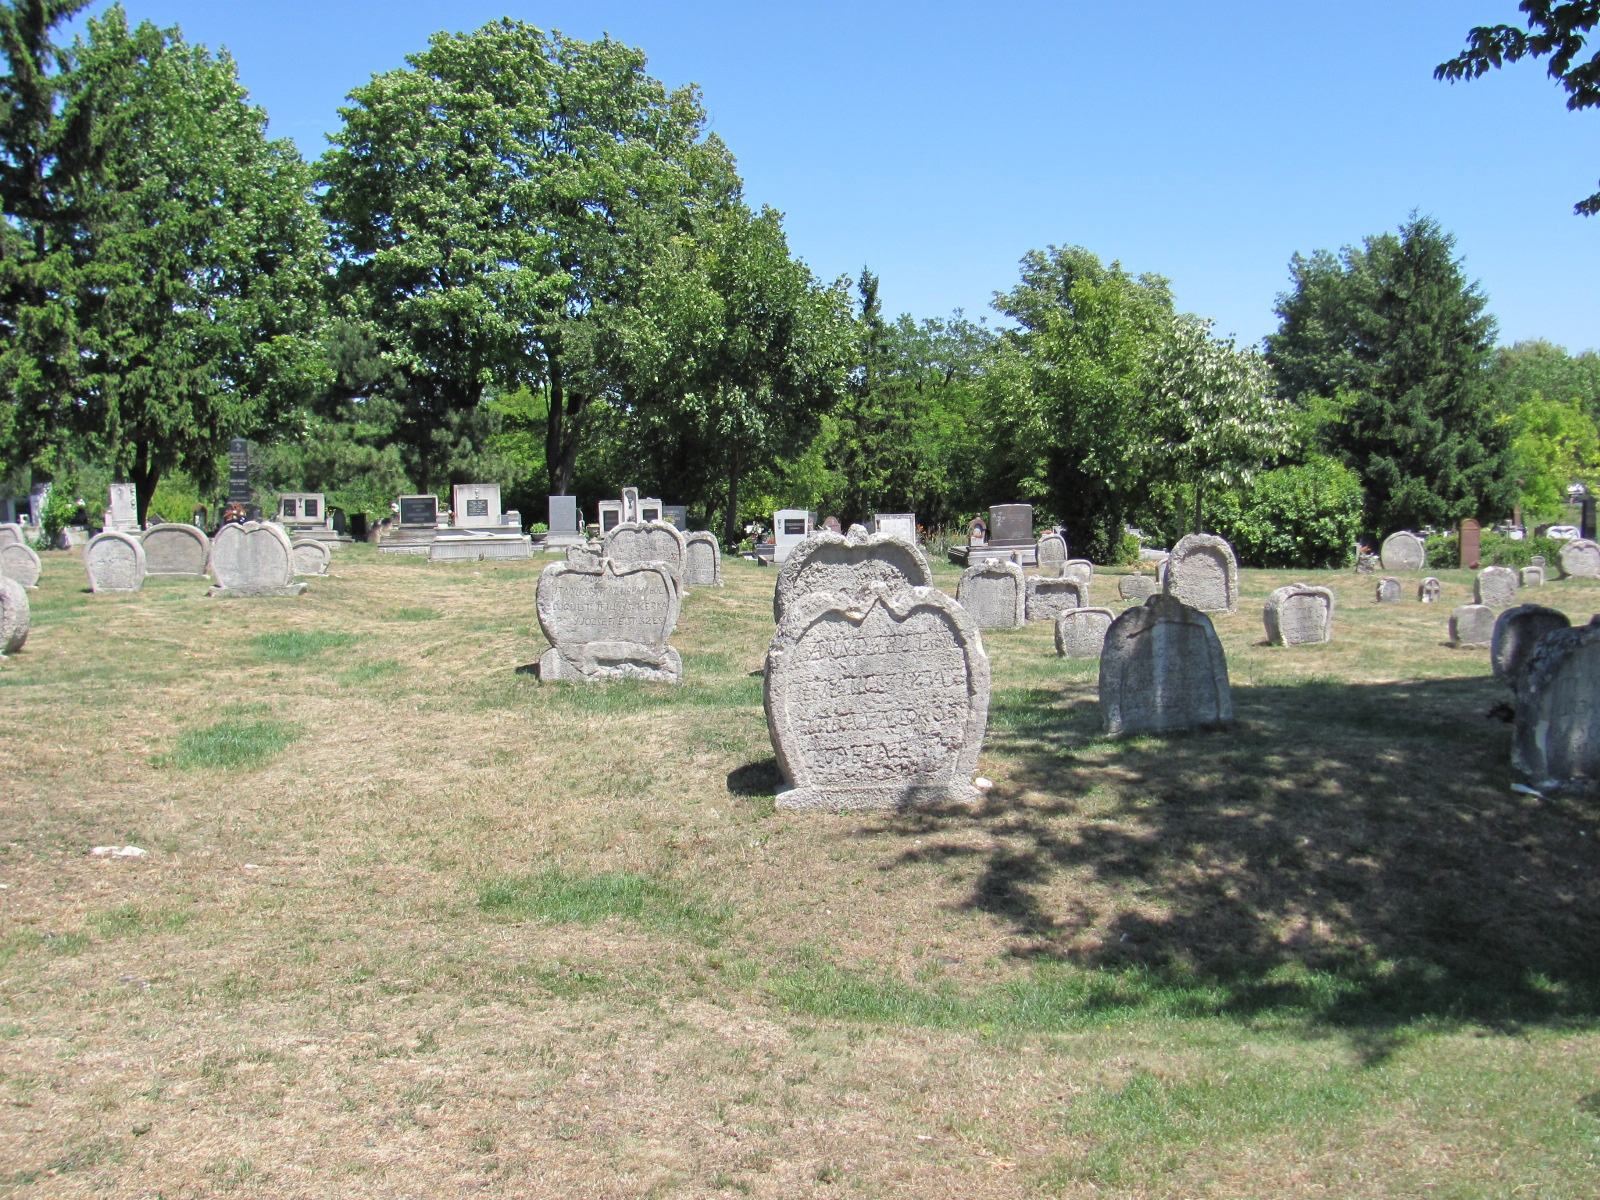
[[494, 204], [1394, 343], [1539, 366]]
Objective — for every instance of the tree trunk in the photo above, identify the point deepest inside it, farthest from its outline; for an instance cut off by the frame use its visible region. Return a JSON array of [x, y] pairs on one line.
[[144, 475], [732, 535], [562, 424]]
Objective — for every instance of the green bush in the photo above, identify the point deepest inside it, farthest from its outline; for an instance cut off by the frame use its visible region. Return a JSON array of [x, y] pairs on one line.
[[1494, 550], [1300, 516]]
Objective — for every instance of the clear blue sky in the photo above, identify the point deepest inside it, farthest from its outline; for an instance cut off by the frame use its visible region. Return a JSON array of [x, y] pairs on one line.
[[1205, 140]]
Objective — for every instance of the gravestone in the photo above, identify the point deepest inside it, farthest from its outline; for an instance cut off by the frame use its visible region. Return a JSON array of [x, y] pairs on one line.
[[790, 527], [1586, 519], [309, 557], [1299, 615], [1011, 525], [124, 511], [585, 554], [1081, 632], [1538, 561], [563, 514], [1048, 597], [1137, 588], [419, 512], [646, 541], [1052, 549], [1516, 632], [1531, 577], [676, 515], [702, 560], [832, 525], [1555, 743], [37, 501], [239, 472], [14, 616], [1430, 590], [609, 515], [900, 525], [609, 621], [1366, 562], [878, 702], [1203, 573], [1162, 670], [22, 564], [848, 566], [476, 506], [1580, 558], [253, 558], [1469, 542], [995, 593], [1080, 569], [977, 532], [114, 562], [415, 528], [174, 549], [11, 534], [1403, 551], [1472, 627], [1388, 590], [651, 509], [302, 510], [1495, 586]]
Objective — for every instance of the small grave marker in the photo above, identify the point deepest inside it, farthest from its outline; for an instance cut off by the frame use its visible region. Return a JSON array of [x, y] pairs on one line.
[[995, 593], [1516, 632], [175, 549], [1472, 627], [1081, 632], [1204, 574], [1299, 615], [702, 560], [1048, 597], [1163, 670], [1137, 588], [1388, 590], [1430, 590], [1495, 586], [14, 616], [22, 564]]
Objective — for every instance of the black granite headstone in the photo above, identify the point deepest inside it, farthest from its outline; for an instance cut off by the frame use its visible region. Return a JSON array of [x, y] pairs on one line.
[[1010, 524], [239, 471], [419, 510]]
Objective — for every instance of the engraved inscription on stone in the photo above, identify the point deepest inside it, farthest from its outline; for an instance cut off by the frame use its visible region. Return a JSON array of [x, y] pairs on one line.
[[1081, 632], [848, 565], [1203, 573], [1516, 632], [1472, 626], [610, 621], [995, 593], [114, 562], [1403, 551], [1430, 590], [1299, 615], [878, 703], [702, 560], [1555, 743], [1162, 670], [1052, 549], [646, 541], [1049, 597], [173, 549], [1495, 586]]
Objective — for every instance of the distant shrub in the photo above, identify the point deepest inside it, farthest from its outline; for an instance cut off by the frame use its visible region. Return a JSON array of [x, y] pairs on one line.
[[1300, 516], [1494, 550]]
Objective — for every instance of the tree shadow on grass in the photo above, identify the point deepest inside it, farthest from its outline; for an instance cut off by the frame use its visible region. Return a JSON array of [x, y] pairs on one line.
[[1350, 852]]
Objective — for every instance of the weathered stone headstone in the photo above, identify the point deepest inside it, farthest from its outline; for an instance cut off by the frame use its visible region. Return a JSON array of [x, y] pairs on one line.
[[1050, 596], [11, 534], [848, 565], [1531, 577], [174, 549], [1472, 627], [114, 562], [1299, 615], [310, 558], [124, 511], [1469, 542], [1137, 588], [253, 558], [1555, 743], [833, 525], [1403, 551], [1081, 632], [1080, 569], [1203, 573], [1495, 586], [22, 564], [1538, 561], [1516, 632], [609, 621], [995, 593], [646, 541], [14, 616], [1163, 670], [1430, 590], [1388, 590], [878, 703], [1366, 563], [585, 554], [1581, 558], [702, 560], [1052, 549]]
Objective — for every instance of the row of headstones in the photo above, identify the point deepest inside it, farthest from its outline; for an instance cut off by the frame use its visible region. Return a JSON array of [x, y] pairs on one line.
[[1407, 551], [255, 558], [1495, 586]]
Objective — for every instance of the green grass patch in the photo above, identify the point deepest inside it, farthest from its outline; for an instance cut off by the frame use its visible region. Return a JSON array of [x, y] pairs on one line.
[[416, 614], [131, 920], [366, 672], [229, 744], [292, 645], [560, 897]]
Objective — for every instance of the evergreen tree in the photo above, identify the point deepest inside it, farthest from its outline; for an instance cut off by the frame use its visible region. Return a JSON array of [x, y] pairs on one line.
[[1393, 343]]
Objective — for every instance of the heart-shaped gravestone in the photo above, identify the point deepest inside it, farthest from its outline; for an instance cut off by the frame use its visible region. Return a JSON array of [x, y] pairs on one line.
[[646, 541], [609, 621], [848, 565], [252, 556]]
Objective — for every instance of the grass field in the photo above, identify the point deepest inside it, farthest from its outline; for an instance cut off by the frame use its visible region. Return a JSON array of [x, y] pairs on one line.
[[412, 924]]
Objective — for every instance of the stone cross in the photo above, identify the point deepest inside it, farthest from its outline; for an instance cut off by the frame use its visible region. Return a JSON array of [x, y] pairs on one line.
[[1204, 574], [1299, 615], [1163, 670]]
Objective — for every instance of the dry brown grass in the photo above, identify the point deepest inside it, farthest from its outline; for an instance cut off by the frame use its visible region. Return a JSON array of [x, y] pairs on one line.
[[1329, 953]]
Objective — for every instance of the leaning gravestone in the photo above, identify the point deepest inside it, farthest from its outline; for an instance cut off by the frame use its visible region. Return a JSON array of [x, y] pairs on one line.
[[609, 621], [114, 562], [878, 702], [1204, 574], [13, 616], [22, 564], [1516, 632], [1581, 557], [848, 564], [1555, 743], [995, 592], [1472, 627], [1388, 590], [254, 558], [1137, 588], [174, 549], [1081, 632], [1299, 615], [1403, 551], [1052, 549], [1531, 576], [1495, 586], [702, 560], [1430, 590], [1163, 670], [1048, 598], [310, 557], [646, 541]]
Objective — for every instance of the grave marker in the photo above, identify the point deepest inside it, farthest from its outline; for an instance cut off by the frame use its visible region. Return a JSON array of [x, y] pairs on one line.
[[609, 621], [114, 562], [848, 565], [1403, 551], [1472, 627], [1516, 632], [1052, 549], [1388, 590], [1203, 573], [702, 560], [1468, 543], [309, 557], [646, 541], [1137, 588], [790, 527], [1163, 670], [1495, 586], [14, 616], [900, 525], [995, 593], [1299, 615], [1581, 558], [1048, 597], [22, 564], [124, 511], [1555, 743], [253, 558], [176, 549], [1430, 590], [1081, 632], [1531, 577]]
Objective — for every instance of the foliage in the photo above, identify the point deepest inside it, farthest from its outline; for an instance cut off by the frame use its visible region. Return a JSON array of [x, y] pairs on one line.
[[1494, 550], [1393, 342], [1555, 28], [1307, 515], [1556, 444], [1538, 366]]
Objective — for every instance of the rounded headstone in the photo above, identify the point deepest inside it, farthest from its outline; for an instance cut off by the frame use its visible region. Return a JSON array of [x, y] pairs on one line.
[[1388, 590], [1531, 576], [13, 615], [310, 556], [1495, 586], [1555, 743], [1052, 549], [1581, 558], [1403, 551], [176, 549], [1137, 588], [832, 525], [1430, 590], [19, 562], [995, 593], [1081, 632], [11, 534], [1516, 632], [1163, 670], [609, 621], [114, 562], [1203, 573], [1080, 569], [848, 565], [1299, 615], [255, 554], [1472, 626], [702, 560], [1048, 597]]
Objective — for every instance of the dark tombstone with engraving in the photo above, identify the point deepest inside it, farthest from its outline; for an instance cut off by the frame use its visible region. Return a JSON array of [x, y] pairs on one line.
[[1469, 540], [415, 529], [1586, 526], [239, 478], [1009, 535]]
